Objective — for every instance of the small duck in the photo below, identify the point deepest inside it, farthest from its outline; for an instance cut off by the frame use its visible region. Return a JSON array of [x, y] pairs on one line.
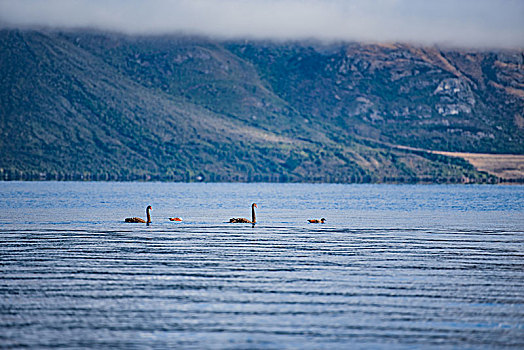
[[175, 219], [315, 221]]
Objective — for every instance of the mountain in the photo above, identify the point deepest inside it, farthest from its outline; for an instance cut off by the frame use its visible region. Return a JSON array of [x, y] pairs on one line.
[[92, 105]]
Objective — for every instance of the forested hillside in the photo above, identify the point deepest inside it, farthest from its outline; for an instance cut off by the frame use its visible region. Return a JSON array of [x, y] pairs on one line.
[[91, 105]]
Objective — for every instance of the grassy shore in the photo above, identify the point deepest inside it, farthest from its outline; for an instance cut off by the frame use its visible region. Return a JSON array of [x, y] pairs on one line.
[[504, 166]]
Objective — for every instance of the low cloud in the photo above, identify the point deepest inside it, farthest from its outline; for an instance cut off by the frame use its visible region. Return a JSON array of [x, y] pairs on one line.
[[470, 23]]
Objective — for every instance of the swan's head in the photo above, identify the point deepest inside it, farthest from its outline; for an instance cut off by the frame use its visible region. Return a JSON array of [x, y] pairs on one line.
[[322, 219], [149, 207], [254, 205]]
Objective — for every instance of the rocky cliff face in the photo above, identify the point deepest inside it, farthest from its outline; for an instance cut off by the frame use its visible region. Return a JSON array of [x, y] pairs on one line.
[[429, 98], [96, 105]]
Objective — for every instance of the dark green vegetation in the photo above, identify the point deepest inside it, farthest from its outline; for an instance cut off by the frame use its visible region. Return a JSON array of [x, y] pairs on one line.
[[87, 105]]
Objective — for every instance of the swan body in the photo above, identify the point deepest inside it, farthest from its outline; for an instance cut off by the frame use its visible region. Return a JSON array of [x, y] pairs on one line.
[[244, 220], [135, 220], [139, 220], [175, 219], [315, 221], [240, 220]]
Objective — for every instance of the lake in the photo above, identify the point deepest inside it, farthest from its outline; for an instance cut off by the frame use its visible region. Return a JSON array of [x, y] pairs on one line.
[[393, 267]]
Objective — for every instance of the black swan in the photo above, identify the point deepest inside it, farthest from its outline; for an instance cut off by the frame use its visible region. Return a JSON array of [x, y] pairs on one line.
[[139, 220], [244, 220]]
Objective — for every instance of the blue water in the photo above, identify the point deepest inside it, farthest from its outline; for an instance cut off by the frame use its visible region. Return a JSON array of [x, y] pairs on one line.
[[394, 267]]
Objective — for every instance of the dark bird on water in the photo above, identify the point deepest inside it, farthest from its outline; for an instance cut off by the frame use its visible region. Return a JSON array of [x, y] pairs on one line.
[[244, 220], [139, 220], [315, 221]]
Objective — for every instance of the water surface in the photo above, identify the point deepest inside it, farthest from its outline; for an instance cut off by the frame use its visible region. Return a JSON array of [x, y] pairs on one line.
[[405, 266]]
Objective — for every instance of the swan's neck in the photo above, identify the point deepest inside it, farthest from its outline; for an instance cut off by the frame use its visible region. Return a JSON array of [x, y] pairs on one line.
[[253, 217], [148, 216]]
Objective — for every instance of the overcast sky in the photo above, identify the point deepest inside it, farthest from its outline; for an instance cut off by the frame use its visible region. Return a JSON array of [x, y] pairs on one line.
[[471, 23]]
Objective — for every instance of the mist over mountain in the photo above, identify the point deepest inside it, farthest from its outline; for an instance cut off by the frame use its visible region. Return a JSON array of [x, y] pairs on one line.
[[465, 23], [93, 105]]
